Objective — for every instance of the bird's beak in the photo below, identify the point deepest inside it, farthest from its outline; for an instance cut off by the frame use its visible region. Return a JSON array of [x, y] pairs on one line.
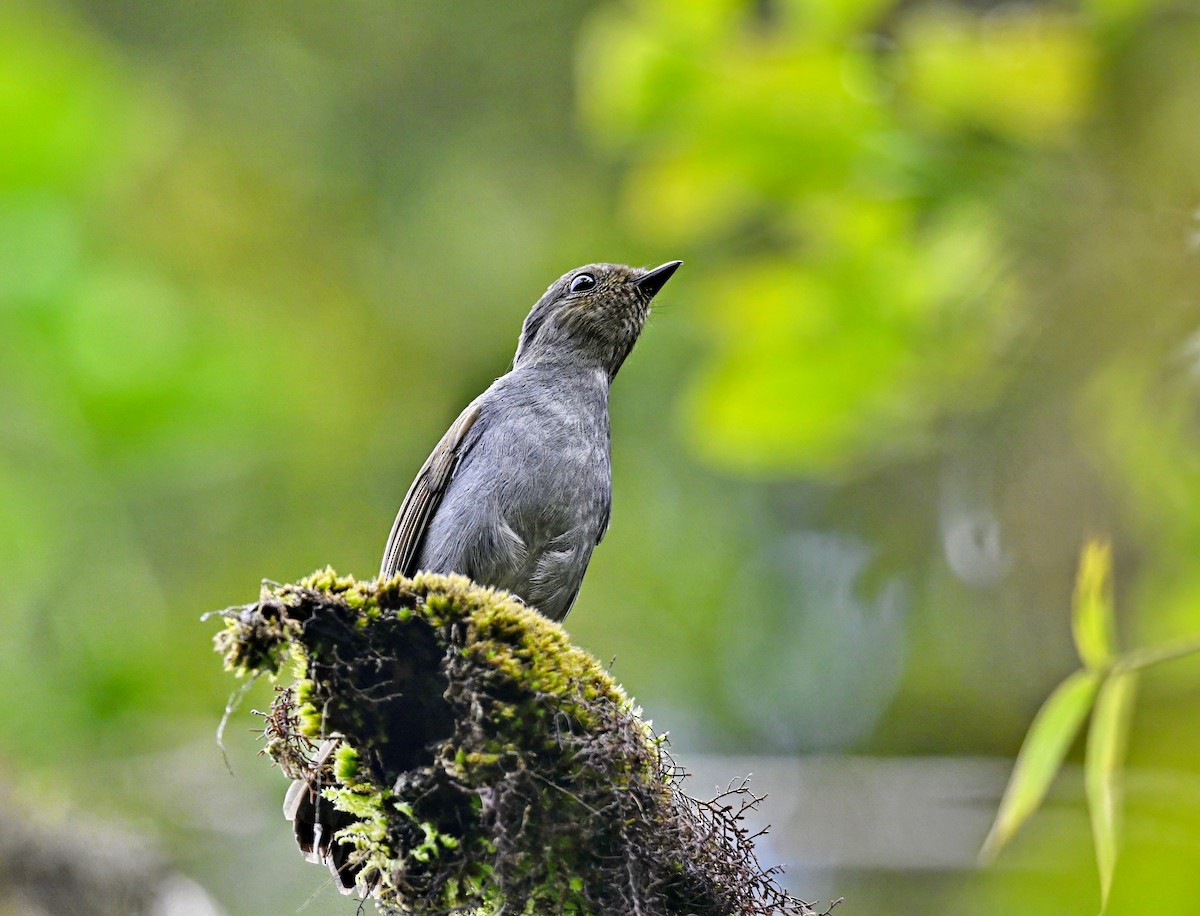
[[652, 282]]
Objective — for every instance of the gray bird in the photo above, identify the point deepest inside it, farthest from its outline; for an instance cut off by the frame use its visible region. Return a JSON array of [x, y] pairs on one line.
[[518, 491]]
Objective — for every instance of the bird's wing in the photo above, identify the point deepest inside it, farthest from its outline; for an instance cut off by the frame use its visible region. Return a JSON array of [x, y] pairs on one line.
[[424, 496], [604, 520]]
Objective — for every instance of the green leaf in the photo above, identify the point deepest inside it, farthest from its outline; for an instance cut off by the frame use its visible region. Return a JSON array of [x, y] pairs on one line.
[[1107, 739], [1028, 76], [1046, 744], [1092, 620]]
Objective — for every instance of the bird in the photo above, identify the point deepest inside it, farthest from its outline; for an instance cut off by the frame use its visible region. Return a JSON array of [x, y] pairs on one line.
[[518, 491]]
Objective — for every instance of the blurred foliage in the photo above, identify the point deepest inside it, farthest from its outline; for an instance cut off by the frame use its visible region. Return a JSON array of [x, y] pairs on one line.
[[937, 327], [875, 163], [949, 246]]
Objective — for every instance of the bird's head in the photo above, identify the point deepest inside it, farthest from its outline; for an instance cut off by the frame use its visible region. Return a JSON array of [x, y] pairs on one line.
[[593, 313]]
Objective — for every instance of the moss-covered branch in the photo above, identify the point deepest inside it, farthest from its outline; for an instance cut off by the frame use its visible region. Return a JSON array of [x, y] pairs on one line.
[[454, 752]]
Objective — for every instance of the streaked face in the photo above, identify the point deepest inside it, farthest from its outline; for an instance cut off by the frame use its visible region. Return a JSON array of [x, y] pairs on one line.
[[597, 311]]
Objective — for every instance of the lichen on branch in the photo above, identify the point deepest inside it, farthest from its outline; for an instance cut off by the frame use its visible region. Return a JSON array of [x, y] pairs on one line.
[[454, 752]]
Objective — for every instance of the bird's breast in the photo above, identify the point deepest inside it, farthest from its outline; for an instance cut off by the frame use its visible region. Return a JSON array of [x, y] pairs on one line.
[[561, 471], [529, 500]]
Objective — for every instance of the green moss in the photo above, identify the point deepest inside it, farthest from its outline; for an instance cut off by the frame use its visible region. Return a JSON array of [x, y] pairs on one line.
[[483, 761], [345, 766]]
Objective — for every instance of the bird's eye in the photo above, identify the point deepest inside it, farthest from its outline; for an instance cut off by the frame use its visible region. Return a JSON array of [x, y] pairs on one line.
[[582, 282]]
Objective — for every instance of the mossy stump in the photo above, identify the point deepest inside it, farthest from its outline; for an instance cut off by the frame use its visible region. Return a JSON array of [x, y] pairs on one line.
[[480, 763]]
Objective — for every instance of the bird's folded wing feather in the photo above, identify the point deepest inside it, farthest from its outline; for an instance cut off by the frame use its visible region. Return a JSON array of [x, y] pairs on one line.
[[424, 496]]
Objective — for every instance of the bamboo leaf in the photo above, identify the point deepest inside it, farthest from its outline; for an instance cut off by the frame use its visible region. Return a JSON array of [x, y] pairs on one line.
[[1092, 620], [1046, 744], [1156, 655], [1107, 739]]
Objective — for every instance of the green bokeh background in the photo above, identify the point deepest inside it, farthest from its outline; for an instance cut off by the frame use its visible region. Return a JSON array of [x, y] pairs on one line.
[[939, 323]]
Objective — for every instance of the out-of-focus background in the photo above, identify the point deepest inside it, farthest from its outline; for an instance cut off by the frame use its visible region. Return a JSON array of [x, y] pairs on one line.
[[939, 323]]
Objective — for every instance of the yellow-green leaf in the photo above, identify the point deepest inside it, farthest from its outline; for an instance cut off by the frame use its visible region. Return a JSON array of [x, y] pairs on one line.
[[1092, 616], [1046, 744], [1028, 75], [1102, 769]]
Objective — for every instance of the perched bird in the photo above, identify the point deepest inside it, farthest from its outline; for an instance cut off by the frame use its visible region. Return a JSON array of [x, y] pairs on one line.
[[518, 491]]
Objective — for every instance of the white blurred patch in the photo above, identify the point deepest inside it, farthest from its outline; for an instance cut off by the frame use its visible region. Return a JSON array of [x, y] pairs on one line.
[[972, 544], [179, 896], [972, 537]]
